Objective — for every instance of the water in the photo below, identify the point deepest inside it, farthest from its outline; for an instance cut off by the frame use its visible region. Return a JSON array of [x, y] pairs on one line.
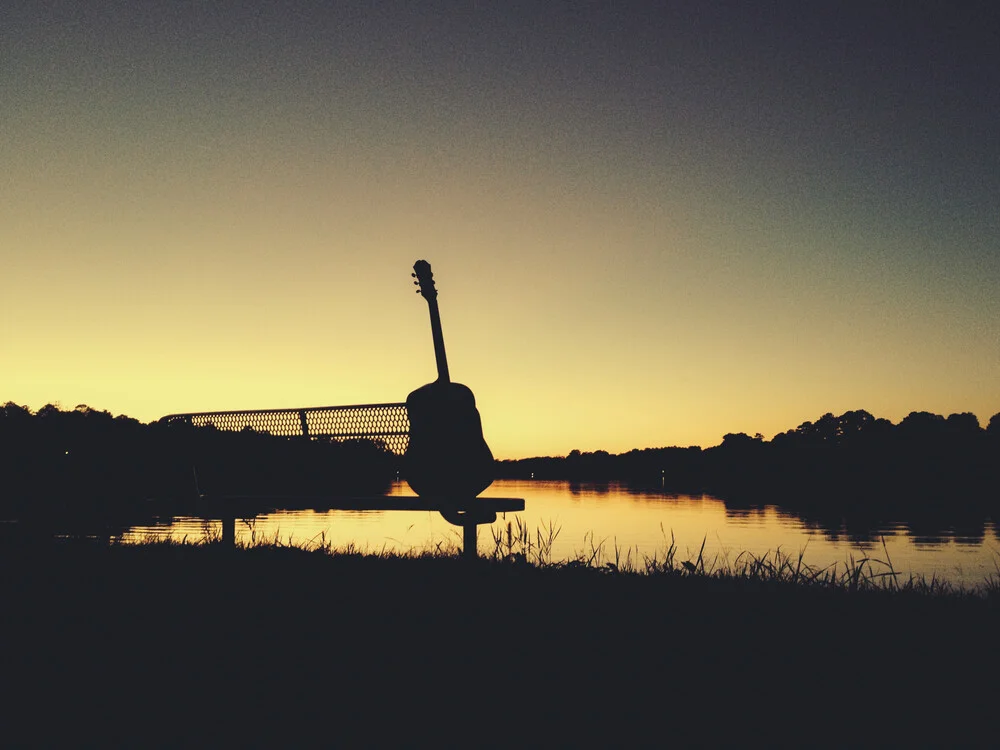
[[615, 521]]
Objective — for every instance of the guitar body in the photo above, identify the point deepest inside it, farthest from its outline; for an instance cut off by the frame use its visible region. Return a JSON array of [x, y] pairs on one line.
[[447, 457]]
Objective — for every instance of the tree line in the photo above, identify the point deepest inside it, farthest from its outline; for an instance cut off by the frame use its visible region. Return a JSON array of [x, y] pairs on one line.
[[854, 453], [88, 458]]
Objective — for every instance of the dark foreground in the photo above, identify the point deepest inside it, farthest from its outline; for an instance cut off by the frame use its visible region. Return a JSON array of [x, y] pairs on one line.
[[182, 645]]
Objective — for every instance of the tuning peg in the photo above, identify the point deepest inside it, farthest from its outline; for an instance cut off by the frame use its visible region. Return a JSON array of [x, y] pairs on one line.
[[417, 291], [413, 275]]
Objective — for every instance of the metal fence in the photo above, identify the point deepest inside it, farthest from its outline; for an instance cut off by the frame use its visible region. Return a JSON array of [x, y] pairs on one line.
[[386, 423]]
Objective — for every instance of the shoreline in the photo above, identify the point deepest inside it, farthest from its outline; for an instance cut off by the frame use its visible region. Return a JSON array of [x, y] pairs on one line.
[[170, 642]]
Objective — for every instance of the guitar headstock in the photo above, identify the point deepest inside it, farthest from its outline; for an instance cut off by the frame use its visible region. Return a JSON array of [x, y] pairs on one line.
[[424, 280]]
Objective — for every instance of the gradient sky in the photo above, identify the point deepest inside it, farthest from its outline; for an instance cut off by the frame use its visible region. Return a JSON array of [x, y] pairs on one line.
[[650, 224]]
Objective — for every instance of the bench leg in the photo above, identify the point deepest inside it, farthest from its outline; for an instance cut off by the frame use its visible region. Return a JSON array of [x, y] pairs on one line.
[[469, 551], [229, 530]]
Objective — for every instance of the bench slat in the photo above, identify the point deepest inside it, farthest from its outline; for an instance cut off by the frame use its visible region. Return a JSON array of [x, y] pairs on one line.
[[374, 502]]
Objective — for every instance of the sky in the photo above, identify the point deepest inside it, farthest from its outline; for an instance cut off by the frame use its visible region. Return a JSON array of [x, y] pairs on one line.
[[650, 224]]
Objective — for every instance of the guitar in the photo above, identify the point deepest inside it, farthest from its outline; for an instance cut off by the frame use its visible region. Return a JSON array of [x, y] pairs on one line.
[[447, 457]]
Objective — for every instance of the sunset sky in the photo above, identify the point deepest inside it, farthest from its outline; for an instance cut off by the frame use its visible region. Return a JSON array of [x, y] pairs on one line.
[[650, 223]]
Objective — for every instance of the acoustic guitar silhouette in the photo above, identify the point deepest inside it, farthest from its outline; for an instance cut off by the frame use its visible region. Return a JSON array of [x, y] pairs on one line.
[[447, 457]]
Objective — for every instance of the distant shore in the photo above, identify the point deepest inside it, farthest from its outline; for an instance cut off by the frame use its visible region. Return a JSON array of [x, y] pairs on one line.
[[924, 462]]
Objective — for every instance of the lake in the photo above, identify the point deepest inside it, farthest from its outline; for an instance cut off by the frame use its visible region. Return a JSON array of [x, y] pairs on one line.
[[617, 521]]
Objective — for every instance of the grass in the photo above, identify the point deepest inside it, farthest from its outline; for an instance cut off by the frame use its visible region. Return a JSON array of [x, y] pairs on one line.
[[181, 642], [514, 544]]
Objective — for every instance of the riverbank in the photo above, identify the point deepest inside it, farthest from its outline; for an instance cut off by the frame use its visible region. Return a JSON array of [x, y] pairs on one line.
[[167, 644]]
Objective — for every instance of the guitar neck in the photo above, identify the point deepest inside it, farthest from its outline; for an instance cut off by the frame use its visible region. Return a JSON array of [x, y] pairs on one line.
[[439, 355]]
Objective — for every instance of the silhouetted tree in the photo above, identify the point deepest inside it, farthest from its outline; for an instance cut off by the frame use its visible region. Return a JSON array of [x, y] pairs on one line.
[[87, 459], [993, 427]]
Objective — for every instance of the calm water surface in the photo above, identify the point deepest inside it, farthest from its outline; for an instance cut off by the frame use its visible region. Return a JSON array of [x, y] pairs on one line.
[[613, 518]]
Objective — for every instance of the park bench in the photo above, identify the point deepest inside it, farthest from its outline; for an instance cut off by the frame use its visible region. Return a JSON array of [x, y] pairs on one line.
[[387, 424]]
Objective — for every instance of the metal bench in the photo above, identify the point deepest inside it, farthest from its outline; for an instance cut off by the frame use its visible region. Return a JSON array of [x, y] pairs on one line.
[[387, 424]]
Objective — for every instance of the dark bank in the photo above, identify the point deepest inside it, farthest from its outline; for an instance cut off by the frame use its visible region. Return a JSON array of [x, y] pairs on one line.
[[165, 644]]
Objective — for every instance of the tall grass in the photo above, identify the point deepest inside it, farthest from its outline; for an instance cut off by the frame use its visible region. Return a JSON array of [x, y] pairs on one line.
[[516, 545]]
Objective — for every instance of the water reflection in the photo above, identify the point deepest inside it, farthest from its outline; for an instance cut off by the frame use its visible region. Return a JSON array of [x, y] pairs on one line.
[[611, 518], [745, 515]]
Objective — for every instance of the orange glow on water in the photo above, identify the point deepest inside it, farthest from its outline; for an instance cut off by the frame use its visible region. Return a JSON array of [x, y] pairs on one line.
[[610, 523]]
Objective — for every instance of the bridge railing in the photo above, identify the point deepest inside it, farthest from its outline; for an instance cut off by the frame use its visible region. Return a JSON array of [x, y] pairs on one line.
[[387, 423]]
